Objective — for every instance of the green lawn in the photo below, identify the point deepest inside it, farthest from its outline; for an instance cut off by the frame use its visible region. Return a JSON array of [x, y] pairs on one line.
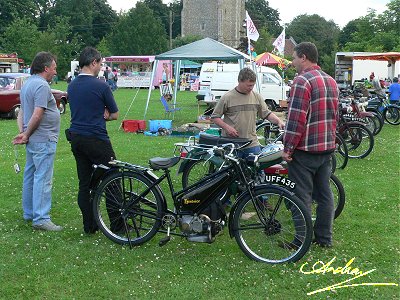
[[70, 265]]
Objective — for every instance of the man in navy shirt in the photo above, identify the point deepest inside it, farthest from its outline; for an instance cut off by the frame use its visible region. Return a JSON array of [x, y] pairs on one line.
[[91, 105]]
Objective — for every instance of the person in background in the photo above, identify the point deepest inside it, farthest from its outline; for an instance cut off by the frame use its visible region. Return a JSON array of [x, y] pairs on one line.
[[106, 73], [109, 76], [309, 138], [394, 91], [376, 84], [371, 76], [240, 108], [39, 127], [115, 79], [92, 105], [76, 73], [165, 73]]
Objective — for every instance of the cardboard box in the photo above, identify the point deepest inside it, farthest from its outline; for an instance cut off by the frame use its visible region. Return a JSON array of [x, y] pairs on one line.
[[204, 119], [283, 103]]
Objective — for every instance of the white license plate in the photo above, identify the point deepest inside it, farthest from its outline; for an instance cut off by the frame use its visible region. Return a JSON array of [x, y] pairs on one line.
[[283, 181]]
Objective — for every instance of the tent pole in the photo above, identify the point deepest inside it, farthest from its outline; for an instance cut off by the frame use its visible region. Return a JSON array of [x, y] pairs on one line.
[[177, 71], [283, 84], [254, 67], [150, 86]]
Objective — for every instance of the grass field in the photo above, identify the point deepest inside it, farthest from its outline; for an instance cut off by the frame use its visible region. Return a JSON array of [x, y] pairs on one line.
[[71, 265]]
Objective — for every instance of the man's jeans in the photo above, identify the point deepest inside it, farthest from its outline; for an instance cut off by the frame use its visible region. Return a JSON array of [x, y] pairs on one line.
[[38, 174], [247, 151]]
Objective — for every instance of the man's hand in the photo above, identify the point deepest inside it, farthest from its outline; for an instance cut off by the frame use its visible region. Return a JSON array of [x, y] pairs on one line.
[[287, 157], [231, 131], [281, 124], [106, 114], [20, 139]]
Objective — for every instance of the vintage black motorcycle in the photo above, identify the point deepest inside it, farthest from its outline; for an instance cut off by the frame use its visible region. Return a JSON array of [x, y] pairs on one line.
[[269, 222]]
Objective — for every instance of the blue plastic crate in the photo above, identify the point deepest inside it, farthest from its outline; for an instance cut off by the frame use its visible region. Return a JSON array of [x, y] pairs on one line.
[[156, 124]]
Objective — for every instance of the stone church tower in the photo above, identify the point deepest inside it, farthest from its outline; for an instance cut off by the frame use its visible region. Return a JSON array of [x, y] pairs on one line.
[[220, 20]]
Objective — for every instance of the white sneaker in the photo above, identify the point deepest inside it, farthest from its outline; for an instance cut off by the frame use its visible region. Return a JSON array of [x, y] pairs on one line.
[[47, 225]]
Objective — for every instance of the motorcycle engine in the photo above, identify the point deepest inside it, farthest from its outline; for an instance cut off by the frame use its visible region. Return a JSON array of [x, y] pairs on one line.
[[195, 224]]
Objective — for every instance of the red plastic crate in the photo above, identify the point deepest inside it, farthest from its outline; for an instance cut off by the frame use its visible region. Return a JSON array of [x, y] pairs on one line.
[[133, 125]]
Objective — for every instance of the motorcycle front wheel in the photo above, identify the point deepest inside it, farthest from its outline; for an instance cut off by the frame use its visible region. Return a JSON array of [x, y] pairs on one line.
[[274, 227]]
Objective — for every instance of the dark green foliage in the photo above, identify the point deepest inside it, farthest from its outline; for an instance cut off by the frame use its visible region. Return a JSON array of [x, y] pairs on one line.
[[138, 32], [264, 16], [313, 28]]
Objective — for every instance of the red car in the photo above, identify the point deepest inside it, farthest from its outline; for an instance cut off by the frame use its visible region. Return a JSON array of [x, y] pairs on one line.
[[10, 87]]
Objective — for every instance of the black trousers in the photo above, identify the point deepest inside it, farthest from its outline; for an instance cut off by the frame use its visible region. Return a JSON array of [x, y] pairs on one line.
[[311, 173], [88, 151]]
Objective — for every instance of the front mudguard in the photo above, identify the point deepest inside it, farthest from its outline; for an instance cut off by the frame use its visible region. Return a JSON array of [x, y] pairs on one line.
[[198, 154], [245, 194]]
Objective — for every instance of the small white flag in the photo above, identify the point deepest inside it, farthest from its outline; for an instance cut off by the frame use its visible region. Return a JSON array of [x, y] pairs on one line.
[[252, 32], [280, 42]]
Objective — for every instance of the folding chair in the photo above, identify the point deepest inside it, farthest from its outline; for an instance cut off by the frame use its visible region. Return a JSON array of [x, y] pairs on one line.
[[168, 109], [166, 91]]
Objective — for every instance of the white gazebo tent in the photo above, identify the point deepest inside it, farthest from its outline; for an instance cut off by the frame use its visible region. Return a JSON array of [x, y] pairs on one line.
[[202, 50]]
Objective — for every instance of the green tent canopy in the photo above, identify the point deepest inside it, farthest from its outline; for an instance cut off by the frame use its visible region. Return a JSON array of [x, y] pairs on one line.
[[202, 50]]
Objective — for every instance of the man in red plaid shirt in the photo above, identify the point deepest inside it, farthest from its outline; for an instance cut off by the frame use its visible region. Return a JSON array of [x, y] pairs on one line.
[[309, 138]]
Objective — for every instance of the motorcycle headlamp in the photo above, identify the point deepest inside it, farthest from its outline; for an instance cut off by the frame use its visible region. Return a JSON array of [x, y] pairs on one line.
[[252, 160]]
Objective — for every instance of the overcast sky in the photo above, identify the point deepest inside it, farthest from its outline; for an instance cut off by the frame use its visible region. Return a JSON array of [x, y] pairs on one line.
[[340, 11]]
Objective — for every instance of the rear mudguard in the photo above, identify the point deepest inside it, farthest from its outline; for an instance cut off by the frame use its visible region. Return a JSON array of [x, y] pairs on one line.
[[100, 172], [277, 189], [363, 114]]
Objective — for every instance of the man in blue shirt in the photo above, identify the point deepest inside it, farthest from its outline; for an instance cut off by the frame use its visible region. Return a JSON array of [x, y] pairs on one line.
[[92, 105], [394, 91]]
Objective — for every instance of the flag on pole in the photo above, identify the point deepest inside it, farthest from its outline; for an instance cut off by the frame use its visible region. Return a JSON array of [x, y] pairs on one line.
[[252, 32], [279, 43]]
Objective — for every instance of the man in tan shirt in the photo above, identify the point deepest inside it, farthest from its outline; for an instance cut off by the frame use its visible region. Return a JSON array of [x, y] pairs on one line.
[[241, 107]]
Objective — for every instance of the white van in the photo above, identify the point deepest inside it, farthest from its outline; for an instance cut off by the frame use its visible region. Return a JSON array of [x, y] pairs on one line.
[[216, 79]]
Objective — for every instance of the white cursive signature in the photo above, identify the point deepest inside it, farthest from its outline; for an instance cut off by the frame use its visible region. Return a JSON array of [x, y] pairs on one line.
[[322, 268]]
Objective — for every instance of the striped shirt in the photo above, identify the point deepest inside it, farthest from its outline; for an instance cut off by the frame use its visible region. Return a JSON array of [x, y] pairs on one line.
[[312, 112]]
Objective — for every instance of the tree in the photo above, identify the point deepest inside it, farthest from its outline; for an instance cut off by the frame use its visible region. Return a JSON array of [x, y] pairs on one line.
[[263, 43], [103, 48], [346, 33], [324, 35], [90, 20], [55, 40], [160, 10], [176, 7], [187, 39], [21, 36], [163, 12], [138, 32], [11, 10], [375, 33]]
